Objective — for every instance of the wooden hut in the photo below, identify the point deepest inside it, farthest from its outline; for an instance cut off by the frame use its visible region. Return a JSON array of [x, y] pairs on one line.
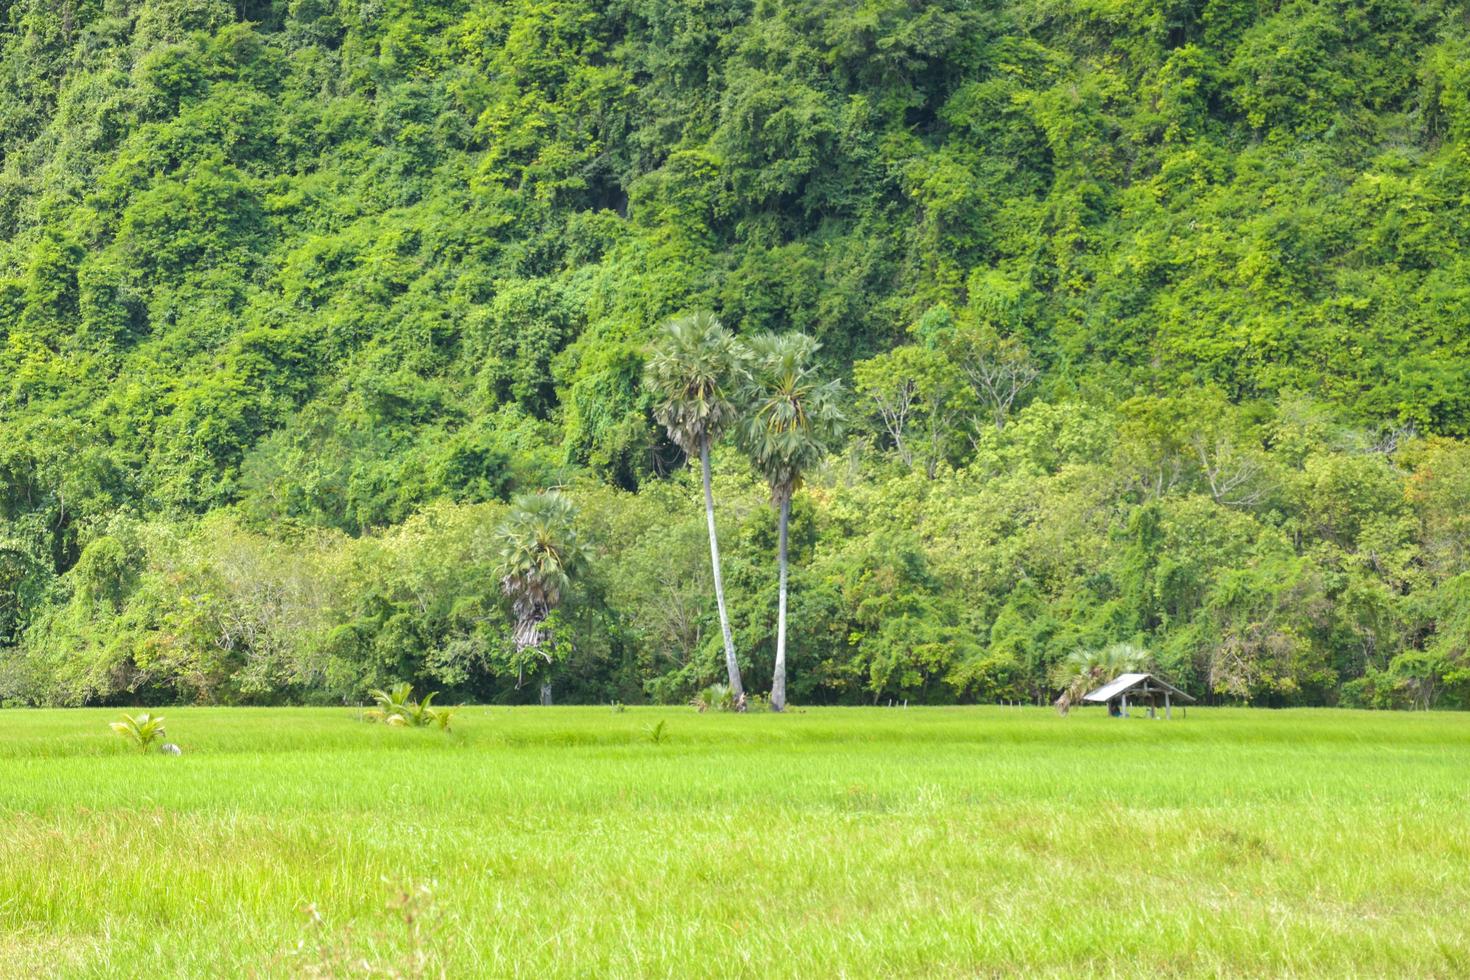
[[1138, 689]]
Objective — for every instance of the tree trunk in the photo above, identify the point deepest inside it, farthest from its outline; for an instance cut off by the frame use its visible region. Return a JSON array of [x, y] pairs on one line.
[[546, 692], [778, 683], [732, 666]]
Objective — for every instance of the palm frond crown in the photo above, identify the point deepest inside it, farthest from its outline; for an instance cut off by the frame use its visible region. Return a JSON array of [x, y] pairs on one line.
[[793, 417], [539, 551], [692, 371], [1087, 668]]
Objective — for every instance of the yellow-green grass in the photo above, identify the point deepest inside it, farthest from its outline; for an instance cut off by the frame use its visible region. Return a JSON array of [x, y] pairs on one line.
[[859, 842]]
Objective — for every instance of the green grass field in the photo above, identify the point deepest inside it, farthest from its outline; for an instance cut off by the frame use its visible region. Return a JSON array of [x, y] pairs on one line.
[[859, 842]]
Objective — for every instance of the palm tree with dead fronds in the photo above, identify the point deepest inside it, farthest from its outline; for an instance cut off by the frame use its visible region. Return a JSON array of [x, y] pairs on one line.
[[1086, 668], [540, 551]]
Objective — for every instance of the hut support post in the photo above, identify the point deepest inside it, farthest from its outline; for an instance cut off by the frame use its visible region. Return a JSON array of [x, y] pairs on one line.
[[1168, 710], [1125, 706]]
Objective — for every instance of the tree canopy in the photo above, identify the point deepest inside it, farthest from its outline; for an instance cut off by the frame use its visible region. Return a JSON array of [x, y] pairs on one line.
[[1152, 323]]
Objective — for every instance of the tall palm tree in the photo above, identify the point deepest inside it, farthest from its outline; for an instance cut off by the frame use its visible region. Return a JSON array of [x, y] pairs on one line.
[[692, 371], [1086, 669], [792, 420], [540, 551]]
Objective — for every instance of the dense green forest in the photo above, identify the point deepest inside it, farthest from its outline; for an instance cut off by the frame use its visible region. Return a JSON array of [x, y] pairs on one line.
[[1151, 320]]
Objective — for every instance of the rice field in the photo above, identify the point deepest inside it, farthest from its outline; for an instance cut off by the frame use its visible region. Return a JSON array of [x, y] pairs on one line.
[[577, 842]]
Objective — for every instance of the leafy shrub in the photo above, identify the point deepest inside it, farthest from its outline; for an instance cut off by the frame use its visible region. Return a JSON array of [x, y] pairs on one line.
[[717, 697], [714, 697]]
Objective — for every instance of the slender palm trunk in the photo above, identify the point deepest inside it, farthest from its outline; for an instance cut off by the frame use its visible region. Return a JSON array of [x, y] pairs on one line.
[[546, 692], [778, 683], [732, 666]]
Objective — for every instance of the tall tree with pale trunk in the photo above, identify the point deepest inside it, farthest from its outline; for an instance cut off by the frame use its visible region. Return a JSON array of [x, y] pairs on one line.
[[792, 419], [692, 371]]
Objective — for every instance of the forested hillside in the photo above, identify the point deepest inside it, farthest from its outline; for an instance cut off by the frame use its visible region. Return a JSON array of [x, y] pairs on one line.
[[1152, 319]]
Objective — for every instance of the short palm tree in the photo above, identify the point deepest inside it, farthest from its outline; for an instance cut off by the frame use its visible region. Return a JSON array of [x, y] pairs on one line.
[[539, 553], [717, 697], [792, 420], [398, 709], [692, 371], [141, 729], [1086, 669]]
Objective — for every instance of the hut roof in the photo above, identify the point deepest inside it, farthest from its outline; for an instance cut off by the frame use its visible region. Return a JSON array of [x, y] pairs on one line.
[[1126, 683]]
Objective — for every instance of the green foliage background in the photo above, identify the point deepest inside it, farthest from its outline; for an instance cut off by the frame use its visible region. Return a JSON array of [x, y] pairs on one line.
[[295, 293]]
